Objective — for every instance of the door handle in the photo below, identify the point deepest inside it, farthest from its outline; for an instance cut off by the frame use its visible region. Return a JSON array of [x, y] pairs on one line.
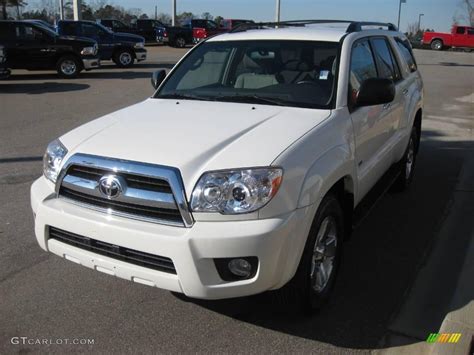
[[387, 106], [405, 92]]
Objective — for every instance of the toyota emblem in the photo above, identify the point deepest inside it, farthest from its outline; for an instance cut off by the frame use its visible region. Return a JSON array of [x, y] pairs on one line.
[[110, 186]]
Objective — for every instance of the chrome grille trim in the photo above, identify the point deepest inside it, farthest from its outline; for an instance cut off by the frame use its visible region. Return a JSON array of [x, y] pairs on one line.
[[176, 200]]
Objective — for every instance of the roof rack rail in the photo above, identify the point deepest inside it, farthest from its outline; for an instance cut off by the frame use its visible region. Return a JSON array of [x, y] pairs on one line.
[[353, 26]]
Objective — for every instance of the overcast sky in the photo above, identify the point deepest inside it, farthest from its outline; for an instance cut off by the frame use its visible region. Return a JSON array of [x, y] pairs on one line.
[[438, 14]]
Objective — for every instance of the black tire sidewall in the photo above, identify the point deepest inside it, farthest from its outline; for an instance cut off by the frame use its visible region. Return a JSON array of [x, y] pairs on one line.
[[313, 300], [177, 42], [68, 76], [117, 58]]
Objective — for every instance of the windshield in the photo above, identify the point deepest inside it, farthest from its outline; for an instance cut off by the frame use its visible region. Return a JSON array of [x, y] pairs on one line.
[[288, 73]]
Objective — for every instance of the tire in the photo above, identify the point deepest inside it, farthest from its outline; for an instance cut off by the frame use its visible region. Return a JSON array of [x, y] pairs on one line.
[[308, 291], [180, 42], [124, 58], [68, 67], [437, 45], [6, 74], [407, 164]]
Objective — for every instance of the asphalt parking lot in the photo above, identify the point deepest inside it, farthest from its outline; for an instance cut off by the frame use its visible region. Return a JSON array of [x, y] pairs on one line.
[[43, 296]]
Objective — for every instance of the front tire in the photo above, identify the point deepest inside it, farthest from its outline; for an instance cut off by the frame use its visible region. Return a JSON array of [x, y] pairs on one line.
[[124, 58], [314, 280], [437, 45], [68, 67]]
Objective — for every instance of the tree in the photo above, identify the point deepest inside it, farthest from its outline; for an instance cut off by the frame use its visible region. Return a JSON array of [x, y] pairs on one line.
[[143, 17], [164, 18], [185, 17], [218, 20], [11, 3], [467, 13], [207, 16]]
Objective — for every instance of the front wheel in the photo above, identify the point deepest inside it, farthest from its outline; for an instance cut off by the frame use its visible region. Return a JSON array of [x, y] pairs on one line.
[[124, 58], [437, 45], [313, 282], [68, 67]]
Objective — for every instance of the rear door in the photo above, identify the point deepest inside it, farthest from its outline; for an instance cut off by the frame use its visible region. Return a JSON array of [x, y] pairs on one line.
[[460, 37], [372, 124]]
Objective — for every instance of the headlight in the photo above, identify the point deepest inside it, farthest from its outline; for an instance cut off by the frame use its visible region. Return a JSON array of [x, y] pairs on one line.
[[88, 51], [139, 45], [52, 159], [236, 191]]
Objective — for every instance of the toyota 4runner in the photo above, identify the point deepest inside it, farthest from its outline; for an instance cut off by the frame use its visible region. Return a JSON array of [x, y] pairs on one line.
[[278, 132]]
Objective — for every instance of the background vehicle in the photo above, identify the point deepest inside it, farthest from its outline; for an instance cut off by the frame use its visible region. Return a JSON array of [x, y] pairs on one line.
[[282, 134], [460, 37], [4, 71], [122, 48], [204, 28], [35, 47], [229, 24], [145, 28]]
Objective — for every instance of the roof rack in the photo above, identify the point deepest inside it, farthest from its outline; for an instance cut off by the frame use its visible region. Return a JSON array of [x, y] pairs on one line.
[[353, 26]]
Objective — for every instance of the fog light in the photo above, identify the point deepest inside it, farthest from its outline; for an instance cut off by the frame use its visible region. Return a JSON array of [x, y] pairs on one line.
[[240, 267]]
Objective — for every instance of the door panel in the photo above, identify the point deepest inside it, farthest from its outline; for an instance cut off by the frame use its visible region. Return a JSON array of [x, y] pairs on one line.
[[371, 124]]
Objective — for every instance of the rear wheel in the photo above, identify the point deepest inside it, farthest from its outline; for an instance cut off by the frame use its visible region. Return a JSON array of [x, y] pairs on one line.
[[180, 42], [437, 45], [313, 282], [407, 164], [124, 58], [68, 66]]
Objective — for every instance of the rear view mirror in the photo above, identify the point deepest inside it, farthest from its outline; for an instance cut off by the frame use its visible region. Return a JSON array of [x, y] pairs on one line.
[[157, 78], [375, 92]]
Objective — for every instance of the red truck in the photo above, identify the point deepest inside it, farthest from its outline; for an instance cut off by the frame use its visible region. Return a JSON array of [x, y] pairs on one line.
[[460, 37]]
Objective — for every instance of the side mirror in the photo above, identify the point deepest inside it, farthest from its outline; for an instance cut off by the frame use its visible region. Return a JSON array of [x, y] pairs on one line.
[[375, 92], [157, 78]]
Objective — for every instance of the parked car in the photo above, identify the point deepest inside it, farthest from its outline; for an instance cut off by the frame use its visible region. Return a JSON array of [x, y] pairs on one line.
[[122, 48], [174, 36], [35, 47], [460, 37], [145, 27], [230, 24], [245, 170], [4, 71], [204, 28]]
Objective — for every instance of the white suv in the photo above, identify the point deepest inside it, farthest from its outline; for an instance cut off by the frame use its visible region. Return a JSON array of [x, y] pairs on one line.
[[243, 172]]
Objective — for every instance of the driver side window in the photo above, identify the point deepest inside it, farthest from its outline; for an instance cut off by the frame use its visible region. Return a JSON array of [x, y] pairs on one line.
[[29, 33], [362, 67]]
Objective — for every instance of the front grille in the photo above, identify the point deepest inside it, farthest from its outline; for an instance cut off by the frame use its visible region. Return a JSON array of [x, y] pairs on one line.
[[146, 192], [155, 262]]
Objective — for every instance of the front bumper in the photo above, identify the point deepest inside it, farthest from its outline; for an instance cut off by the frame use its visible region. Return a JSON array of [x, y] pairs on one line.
[[162, 40], [140, 54], [90, 62], [277, 242]]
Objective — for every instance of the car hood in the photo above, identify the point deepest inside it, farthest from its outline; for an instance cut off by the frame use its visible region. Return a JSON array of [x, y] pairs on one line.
[[127, 37], [195, 136]]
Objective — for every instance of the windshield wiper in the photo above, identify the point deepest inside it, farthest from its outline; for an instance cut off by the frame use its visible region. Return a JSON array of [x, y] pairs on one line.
[[183, 97], [255, 99]]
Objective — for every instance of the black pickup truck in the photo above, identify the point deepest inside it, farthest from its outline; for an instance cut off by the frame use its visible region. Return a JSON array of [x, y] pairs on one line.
[[122, 48], [187, 34], [145, 27], [31, 46]]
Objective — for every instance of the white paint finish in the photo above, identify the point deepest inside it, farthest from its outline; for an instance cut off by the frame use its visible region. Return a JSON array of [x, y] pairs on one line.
[[195, 136]]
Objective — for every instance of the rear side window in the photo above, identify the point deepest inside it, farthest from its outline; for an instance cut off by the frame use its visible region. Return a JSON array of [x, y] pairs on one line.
[[460, 30], [89, 29], [362, 67], [407, 54], [6, 32], [470, 31], [69, 28], [388, 68]]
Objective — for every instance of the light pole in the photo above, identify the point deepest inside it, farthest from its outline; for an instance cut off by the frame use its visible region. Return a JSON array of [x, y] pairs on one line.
[[76, 5], [277, 12], [419, 21], [61, 10], [400, 10], [173, 12]]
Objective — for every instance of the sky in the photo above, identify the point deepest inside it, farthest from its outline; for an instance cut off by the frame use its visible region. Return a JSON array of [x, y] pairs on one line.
[[438, 14]]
